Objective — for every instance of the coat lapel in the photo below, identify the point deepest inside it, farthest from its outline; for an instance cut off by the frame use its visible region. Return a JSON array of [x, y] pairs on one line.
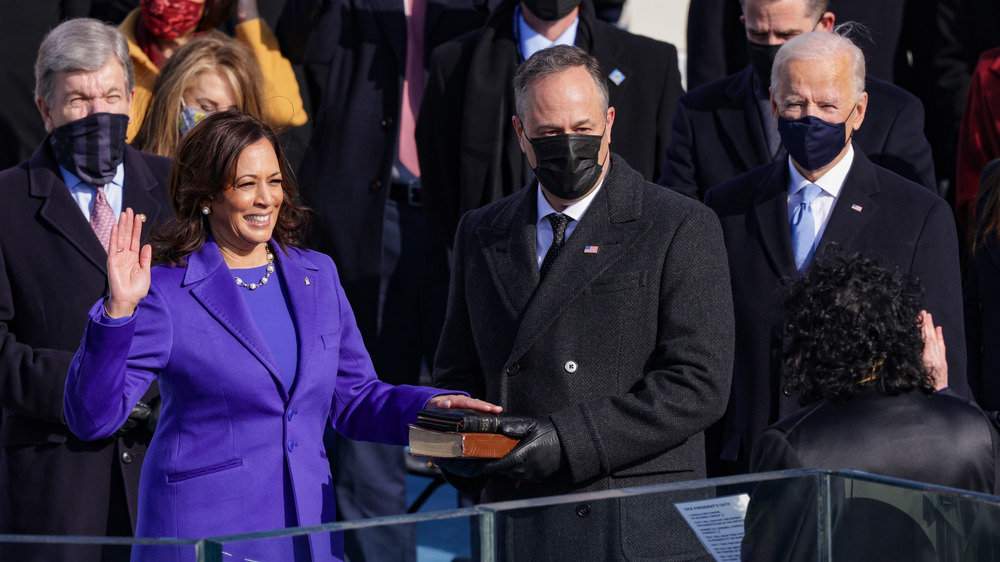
[[609, 225], [213, 287], [59, 210], [510, 253], [139, 186], [740, 118], [855, 206], [300, 277], [771, 215]]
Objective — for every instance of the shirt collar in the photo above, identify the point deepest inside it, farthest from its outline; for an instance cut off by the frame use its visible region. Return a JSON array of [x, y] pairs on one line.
[[71, 181], [532, 41], [831, 182], [574, 211]]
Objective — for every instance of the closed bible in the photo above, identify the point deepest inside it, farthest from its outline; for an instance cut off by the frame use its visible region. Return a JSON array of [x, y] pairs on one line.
[[453, 444]]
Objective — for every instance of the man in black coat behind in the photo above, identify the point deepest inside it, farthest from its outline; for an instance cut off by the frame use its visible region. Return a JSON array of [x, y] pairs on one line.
[[53, 267]]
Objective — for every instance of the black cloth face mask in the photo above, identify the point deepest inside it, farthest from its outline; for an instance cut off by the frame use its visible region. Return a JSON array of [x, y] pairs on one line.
[[92, 147], [813, 142], [551, 10], [762, 60], [567, 165]]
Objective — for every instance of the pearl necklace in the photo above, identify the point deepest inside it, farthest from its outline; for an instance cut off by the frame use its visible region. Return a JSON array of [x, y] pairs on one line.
[[263, 280]]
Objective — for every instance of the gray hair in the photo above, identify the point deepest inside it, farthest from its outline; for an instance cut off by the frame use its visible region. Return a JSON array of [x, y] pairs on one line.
[[549, 61], [80, 44], [813, 8], [822, 46]]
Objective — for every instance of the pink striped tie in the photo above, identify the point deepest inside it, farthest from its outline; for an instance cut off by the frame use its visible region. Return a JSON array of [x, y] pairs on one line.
[[102, 218], [413, 85]]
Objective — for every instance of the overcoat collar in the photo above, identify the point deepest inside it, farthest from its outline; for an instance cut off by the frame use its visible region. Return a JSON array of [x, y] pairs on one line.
[[740, 118], [509, 250], [854, 208], [212, 285]]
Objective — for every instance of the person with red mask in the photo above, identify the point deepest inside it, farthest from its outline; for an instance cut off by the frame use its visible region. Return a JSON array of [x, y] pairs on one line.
[[157, 28]]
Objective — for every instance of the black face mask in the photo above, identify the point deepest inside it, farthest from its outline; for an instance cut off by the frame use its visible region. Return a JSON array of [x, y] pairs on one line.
[[567, 164], [551, 10], [92, 147], [762, 60]]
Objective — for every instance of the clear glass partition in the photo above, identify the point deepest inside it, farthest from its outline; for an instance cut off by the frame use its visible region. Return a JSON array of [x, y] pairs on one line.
[[789, 515]]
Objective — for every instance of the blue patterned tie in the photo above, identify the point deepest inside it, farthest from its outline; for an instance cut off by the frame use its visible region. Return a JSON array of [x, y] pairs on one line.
[[804, 226]]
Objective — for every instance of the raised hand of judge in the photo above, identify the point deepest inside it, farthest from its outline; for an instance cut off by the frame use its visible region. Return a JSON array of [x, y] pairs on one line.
[[536, 457], [128, 266]]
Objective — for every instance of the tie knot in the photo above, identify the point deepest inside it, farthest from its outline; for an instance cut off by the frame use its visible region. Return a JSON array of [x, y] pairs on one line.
[[810, 192], [559, 222]]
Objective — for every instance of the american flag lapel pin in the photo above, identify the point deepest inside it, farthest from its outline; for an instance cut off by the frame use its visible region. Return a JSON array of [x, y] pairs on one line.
[[856, 207], [590, 249]]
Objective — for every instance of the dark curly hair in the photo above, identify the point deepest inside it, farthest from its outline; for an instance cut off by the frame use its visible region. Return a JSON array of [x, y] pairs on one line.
[[851, 323], [204, 167]]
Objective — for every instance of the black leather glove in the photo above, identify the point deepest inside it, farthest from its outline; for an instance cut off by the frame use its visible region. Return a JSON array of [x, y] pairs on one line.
[[139, 415], [535, 458], [154, 414], [464, 475]]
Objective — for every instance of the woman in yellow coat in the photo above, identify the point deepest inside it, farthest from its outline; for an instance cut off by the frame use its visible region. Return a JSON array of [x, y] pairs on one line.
[[159, 27]]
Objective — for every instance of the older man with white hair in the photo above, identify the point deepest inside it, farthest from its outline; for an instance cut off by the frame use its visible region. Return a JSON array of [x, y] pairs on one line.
[[55, 225], [776, 217]]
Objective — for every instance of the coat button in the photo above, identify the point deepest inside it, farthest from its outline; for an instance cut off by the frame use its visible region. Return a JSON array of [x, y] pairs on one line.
[[583, 510], [291, 413], [386, 123], [513, 370], [570, 367], [375, 185], [127, 457], [291, 445]]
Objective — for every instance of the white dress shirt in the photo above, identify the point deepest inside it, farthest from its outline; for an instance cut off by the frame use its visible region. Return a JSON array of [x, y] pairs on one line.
[[532, 41], [543, 229], [830, 185], [83, 193]]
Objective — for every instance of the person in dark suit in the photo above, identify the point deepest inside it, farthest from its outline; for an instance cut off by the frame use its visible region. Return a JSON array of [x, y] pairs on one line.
[[826, 191], [982, 300], [724, 128], [866, 362], [467, 149], [53, 242], [364, 62], [594, 303]]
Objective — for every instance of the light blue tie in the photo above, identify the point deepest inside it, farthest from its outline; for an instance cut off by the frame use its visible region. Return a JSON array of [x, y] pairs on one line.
[[804, 226]]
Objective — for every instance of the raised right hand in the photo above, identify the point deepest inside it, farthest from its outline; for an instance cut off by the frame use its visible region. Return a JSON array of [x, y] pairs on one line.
[[128, 266]]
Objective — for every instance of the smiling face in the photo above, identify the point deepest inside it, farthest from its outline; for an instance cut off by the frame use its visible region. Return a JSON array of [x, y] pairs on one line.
[[244, 214], [79, 93]]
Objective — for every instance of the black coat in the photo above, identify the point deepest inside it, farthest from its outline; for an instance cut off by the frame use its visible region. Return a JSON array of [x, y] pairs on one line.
[[877, 214], [718, 134], [354, 55], [627, 350], [937, 439], [52, 271], [468, 149]]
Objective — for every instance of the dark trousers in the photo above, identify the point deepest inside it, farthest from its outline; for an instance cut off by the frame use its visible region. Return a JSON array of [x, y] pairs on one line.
[[370, 478]]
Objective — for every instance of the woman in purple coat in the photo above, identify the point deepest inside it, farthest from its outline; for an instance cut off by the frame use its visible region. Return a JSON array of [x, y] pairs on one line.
[[255, 349]]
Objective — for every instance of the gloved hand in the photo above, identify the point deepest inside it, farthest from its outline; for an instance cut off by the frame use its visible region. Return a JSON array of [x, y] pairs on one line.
[[154, 414], [466, 468], [535, 458], [139, 415]]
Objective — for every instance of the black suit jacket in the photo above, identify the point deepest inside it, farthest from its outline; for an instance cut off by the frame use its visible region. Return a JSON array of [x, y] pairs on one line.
[[52, 270], [468, 149], [627, 350], [878, 214], [718, 134], [354, 55], [937, 439]]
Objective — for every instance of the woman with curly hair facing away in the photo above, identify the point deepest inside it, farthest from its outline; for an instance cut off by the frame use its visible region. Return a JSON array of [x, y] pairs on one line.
[[864, 357], [869, 367]]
